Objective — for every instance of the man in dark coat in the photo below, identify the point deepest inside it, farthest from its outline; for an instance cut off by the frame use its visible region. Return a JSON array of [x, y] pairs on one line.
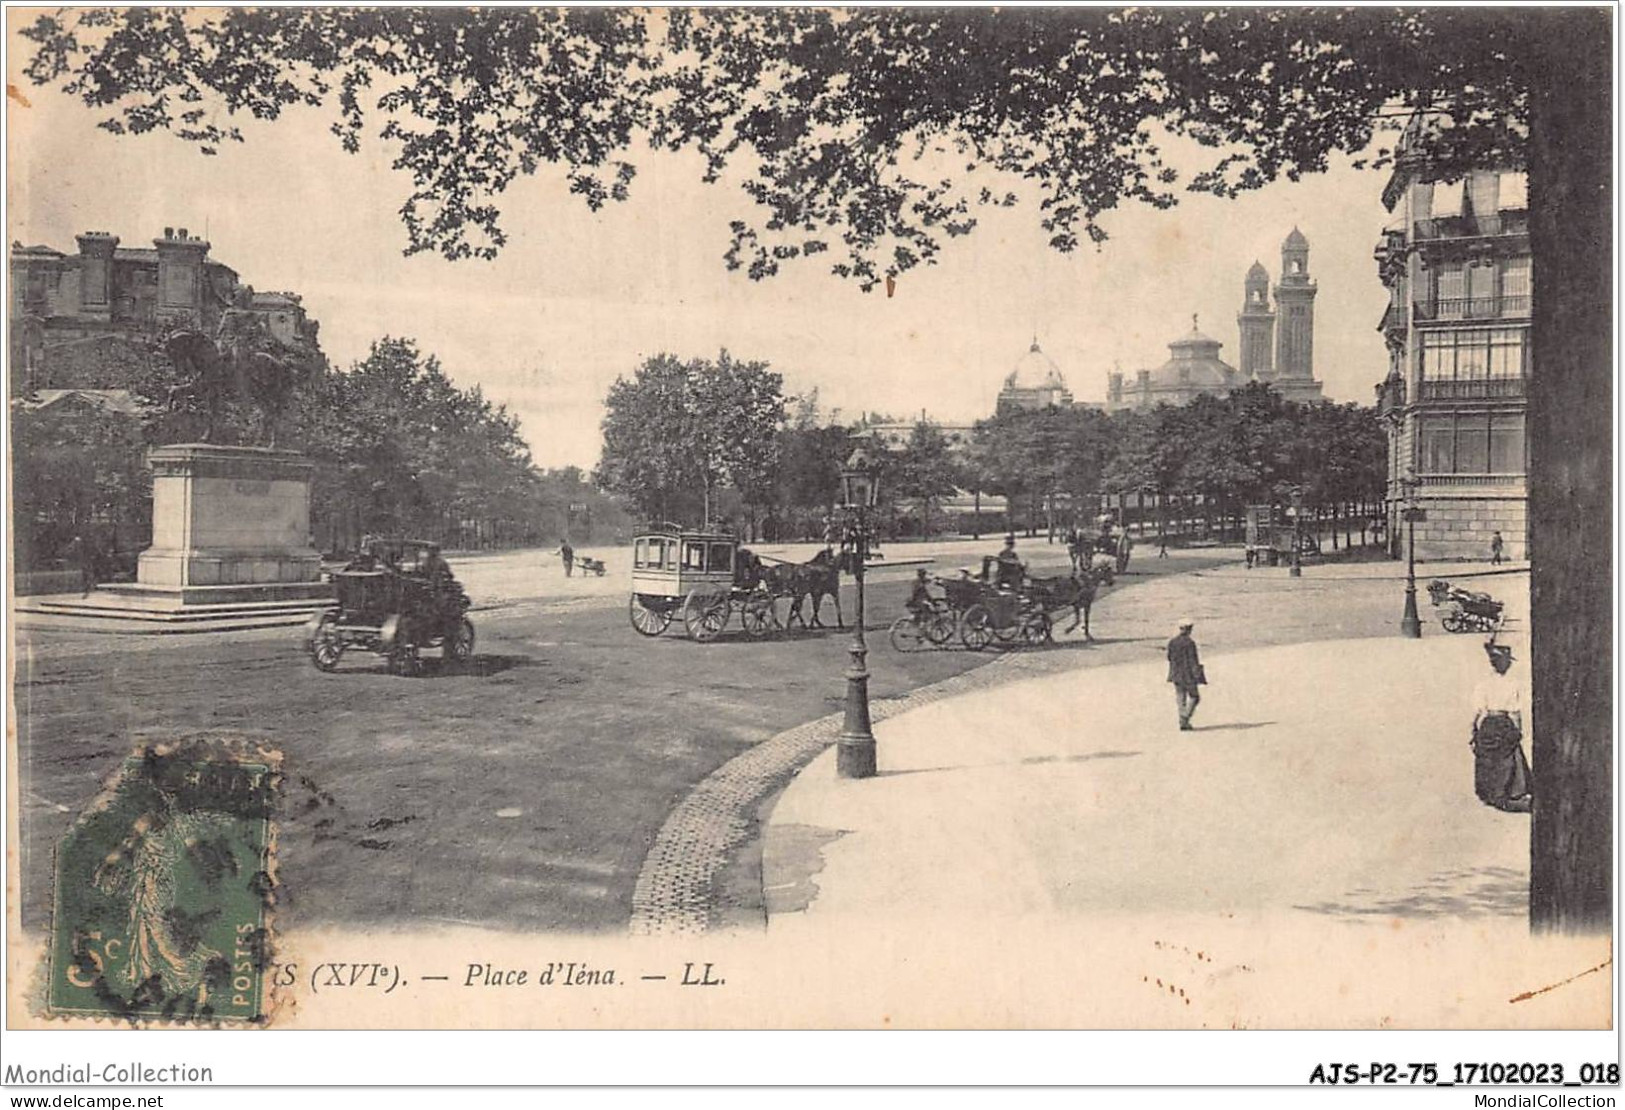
[[568, 554], [1009, 569], [1185, 672]]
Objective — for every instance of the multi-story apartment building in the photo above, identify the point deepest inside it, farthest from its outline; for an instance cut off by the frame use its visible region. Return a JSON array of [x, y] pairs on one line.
[[1456, 263]]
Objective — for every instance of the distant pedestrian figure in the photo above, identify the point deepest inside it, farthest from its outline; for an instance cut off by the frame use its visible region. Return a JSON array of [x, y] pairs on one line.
[[80, 558], [1010, 569], [1496, 544], [568, 554], [1162, 545], [1185, 672]]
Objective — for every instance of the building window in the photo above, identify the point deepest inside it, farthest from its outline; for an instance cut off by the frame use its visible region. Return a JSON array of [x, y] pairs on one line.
[[1515, 278], [1473, 354], [1471, 443], [1449, 281], [1506, 444]]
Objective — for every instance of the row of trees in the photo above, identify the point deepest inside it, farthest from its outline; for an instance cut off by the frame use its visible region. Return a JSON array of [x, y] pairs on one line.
[[398, 447], [703, 440]]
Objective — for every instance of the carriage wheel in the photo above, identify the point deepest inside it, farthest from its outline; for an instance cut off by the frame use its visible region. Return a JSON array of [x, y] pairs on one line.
[[1036, 629], [458, 647], [1454, 622], [758, 616], [939, 627], [646, 619], [976, 628], [326, 644], [705, 615], [906, 634]]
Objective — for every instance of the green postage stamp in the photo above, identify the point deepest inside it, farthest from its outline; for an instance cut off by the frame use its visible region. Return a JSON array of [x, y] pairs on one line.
[[164, 890]]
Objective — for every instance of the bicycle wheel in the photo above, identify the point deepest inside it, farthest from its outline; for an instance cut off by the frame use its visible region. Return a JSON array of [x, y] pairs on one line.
[[906, 634]]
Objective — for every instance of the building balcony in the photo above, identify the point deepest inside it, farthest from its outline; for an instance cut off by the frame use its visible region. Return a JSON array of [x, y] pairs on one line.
[[1461, 389], [1477, 481], [1505, 222], [1474, 308]]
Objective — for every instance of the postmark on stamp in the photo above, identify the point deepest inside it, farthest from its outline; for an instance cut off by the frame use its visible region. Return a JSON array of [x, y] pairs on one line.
[[164, 889]]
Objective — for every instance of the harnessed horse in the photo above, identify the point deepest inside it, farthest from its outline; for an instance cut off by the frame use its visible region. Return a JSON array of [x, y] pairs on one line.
[[819, 578], [1075, 590]]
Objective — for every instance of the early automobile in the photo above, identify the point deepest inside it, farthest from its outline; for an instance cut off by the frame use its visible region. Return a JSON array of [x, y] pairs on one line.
[[397, 597]]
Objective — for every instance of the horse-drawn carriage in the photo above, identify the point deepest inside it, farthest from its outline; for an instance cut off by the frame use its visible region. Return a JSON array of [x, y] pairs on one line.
[[982, 612], [694, 575], [1464, 610], [396, 598], [706, 577], [1103, 551]]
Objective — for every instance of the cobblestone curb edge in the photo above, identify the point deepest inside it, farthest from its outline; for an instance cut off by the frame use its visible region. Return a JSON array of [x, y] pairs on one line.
[[676, 891]]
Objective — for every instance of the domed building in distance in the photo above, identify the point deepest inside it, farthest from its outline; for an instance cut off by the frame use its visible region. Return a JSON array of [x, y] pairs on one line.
[[1277, 344], [1193, 368], [1035, 383]]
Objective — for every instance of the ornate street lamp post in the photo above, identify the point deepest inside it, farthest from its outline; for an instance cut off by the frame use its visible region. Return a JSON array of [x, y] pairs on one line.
[[1410, 625], [1297, 531], [855, 748]]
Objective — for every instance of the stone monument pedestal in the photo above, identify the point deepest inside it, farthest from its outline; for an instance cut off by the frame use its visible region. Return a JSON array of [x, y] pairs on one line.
[[229, 524], [231, 543]]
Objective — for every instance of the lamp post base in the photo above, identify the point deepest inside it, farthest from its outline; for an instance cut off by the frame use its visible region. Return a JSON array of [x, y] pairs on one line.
[[855, 757], [1410, 625]]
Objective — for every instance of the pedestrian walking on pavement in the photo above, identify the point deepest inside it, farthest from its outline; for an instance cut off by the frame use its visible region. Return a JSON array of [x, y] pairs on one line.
[[1501, 775], [568, 554], [1496, 544], [1185, 672]]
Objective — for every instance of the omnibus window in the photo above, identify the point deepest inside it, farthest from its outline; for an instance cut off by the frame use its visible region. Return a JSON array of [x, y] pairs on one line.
[[693, 556], [640, 553], [722, 555]]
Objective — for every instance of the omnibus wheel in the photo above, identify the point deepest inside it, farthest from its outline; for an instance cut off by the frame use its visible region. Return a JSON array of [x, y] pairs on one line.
[[648, 620]]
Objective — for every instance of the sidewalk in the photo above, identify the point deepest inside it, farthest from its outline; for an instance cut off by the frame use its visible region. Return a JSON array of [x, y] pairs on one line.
[[1312, 854], [1336, 570]]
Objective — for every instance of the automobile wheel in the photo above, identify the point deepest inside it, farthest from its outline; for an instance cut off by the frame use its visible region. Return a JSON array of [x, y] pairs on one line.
[[326, 644], [458, 647]]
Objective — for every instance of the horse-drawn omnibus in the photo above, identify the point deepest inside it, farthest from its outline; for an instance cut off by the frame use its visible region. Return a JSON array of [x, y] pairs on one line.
[[693, 574]]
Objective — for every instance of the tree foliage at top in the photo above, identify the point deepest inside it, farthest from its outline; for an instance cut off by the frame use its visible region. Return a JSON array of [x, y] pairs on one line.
[[877, 131], [678, 431]]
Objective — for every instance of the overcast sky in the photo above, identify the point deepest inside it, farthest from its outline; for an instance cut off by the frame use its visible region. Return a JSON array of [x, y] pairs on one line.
[[577, 298]]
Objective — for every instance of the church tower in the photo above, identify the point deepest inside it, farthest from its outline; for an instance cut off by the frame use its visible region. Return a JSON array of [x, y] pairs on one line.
[[1257, 323], [1295, 298]]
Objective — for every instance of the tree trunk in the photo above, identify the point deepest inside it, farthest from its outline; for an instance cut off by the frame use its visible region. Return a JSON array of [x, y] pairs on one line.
[[1571, 474]]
